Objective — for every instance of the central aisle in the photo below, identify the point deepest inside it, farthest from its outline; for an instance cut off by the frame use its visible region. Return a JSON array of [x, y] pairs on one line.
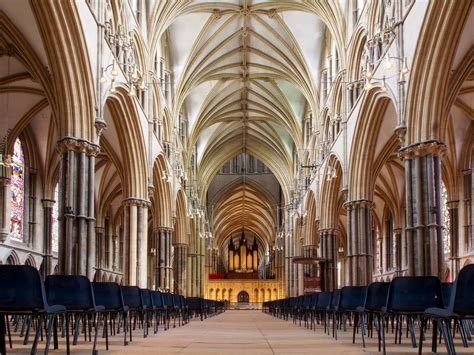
[[238, 332]]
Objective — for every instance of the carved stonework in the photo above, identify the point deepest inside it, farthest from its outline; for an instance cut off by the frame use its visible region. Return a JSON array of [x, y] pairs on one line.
[[433, 147], [216, 14], [358, 204], [77, 145], [272, 13], [136, 202], [100, 126]]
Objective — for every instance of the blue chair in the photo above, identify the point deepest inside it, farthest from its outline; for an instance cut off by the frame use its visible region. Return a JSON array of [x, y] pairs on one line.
[[168, 307], [109, 295], [351, 298], [322, 306], [409, 297], [375, 300], [148, 308], [460, 307], [159, 309], [132, 298], [75, 293], [332, 310], [23, 293]]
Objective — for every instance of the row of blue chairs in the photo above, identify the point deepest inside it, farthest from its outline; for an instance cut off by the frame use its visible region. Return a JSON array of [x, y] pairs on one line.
[[73, 303], [406, 301]]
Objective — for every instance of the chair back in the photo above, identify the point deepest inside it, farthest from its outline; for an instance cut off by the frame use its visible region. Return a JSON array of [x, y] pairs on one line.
[[446, 289], [157, 299], [414, 294], [21, 289], [336, 294], [377, 294], [464, 291], [146, 298], [132, 297], [324, 300], [352, 297], [72, 291], [108, 294], [307, 301], [167, 300], [314, 301], [176, 301]]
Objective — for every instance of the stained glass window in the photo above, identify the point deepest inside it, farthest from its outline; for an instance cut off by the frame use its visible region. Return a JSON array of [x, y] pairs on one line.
[[55, 222], [18, 192], [446, 222]]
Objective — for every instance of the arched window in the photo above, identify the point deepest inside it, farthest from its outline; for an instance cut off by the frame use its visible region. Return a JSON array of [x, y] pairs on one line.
[[55, 221], [17, 192], [446, 222]]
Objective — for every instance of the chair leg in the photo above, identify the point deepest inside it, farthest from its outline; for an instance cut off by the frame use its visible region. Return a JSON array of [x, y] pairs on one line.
[[362, 328], [68, 345], [29, 320], [3, 320], [55, 333], [49, 331], [106, 331], [38, 330], [96, 332]]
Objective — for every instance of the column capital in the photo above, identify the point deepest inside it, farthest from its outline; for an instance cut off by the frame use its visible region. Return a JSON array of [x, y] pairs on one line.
[[47, 203], [358, 204], [433, 147], [452, 204], [134, 201], [162, 229], [99, 229], [398, 230], [334, 231], [77, 145]]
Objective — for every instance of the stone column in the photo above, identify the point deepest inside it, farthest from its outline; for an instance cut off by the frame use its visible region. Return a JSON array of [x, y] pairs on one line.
[[359, 246], [135, 241], [398, 232], [5, 193], [110, 242], [454, 237], [116, 252], [76, 207], [423, 212], [48, 235], [329, 252], [163, 260], [468, 215], [169, 256], [181, 255], [100, 242]]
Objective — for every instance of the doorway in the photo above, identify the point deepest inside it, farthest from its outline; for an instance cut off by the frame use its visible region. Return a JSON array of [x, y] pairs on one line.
[[243, 297]]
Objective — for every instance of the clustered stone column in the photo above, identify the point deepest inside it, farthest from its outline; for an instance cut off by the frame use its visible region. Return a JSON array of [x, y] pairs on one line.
[[48, 234], [423, 207], [136, 241], [454, 236], [180, 262], [77, 245], [100, 242], [164, 268], [5, 175], [329, 252], [399, 247], [291, 269], [359, 246]]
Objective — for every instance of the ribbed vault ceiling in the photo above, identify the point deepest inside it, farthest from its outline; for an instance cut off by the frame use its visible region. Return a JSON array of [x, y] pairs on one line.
[[244, 74]]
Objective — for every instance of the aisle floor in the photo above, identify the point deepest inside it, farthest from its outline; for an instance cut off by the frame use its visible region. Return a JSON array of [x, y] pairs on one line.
[[244, 332]]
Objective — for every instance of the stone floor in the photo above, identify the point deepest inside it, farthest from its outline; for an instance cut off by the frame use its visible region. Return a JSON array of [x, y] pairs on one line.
[[241, 332]]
